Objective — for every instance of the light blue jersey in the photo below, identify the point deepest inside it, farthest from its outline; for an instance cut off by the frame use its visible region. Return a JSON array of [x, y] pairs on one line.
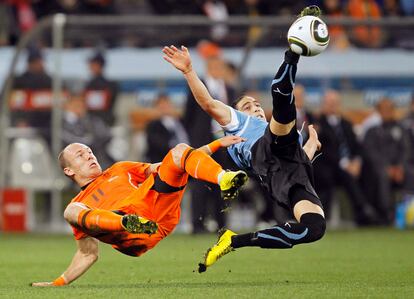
[[249, 127]]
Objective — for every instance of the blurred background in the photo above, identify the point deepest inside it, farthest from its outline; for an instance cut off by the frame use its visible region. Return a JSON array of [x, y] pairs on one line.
[[91, 71]]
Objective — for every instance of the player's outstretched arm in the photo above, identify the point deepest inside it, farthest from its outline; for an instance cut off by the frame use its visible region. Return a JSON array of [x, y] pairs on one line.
[[313, 144], [181, 60], [84, 258], [225, 141]]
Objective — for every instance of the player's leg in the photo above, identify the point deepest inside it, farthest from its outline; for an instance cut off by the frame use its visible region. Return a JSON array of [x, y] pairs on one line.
[[201, 166], [310, 227], [283, 121], [98, 220]]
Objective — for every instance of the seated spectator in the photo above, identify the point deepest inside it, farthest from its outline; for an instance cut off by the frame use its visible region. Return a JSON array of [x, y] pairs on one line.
[[7, 26], [391, 8], [338, 36], [386, 154], [340, 162], [35, 78], [365, 36], [407, 7], [165, 132], [101, 93], [252, 9], [217, 11], [81, 126]]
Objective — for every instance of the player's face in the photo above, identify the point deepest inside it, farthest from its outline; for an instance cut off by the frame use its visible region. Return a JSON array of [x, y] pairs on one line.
[[386, 109], [331, 103], [251, 107], [82, 163]]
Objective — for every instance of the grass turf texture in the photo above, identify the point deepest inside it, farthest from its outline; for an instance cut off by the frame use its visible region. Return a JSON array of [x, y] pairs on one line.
[[373, 263]]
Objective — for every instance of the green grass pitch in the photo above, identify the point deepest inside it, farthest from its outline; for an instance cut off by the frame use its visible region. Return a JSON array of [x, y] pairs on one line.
[[374, 263]]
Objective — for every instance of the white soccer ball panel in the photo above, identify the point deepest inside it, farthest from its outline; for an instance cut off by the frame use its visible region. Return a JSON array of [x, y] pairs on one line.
[[308, 36]]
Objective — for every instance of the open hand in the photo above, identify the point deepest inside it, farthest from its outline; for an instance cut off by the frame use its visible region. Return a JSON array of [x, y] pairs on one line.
[[313, 136], [228, 140], [180, 59]]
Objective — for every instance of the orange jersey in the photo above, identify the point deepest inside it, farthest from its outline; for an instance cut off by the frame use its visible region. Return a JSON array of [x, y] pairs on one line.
[[117, 190], [112, 188]]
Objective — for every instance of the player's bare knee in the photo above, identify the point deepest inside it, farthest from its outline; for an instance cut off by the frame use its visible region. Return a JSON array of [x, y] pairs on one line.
[[280, 129], [177, 152], [72, 211]]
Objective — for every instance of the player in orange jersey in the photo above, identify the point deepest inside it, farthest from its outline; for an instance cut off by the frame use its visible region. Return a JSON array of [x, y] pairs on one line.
[[133, 205]]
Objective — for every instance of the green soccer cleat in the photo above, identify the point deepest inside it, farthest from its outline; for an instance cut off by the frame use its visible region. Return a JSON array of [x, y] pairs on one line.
[[231, 182], [138, 225], [222, 247], [312, 10]]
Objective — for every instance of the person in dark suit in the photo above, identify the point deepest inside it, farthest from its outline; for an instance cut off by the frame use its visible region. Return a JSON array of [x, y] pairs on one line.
[[101, 104], [340, 162], [202, 129], [388, 151], [165, 132]]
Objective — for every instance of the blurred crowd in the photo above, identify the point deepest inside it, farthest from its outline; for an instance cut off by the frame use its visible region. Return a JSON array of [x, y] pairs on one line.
[[19, 16], [370, 158], [87, 109]]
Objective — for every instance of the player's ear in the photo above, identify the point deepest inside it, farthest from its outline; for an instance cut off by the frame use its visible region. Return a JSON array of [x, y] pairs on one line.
[[69, 172]]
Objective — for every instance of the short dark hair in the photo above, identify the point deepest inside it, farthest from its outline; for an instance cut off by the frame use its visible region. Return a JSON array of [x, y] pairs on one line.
[[98, 57], [33, 55], [236, 101]]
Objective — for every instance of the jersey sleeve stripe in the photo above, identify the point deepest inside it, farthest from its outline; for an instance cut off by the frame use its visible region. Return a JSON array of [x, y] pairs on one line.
[[130, 181], [234, 121], [244, 127], [281, 77]]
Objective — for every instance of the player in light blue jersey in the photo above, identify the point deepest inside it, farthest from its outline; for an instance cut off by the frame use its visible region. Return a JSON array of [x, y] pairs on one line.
[[272, 151]]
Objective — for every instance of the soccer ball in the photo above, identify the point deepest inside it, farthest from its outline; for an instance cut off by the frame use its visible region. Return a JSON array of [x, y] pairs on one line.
[[308, 36]]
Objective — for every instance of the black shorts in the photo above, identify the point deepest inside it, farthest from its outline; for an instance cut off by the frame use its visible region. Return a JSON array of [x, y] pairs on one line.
[[281, 164], [298, 193]]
